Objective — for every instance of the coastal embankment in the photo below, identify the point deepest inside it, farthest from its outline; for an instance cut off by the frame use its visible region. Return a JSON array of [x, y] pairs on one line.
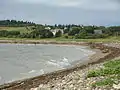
[[68, 79], [43, 42]]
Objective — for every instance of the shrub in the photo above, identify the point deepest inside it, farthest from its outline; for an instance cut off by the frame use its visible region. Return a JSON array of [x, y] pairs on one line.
[[66, 36], [58, 34], [105, 82]]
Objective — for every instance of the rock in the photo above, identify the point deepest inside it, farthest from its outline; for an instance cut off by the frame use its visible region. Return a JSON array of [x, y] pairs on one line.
[[40, 86], [34, 89], [105, 51], [88, 88], [71, 86], [116, 86], [69, 83], [80, 81], [52, 86], [63, 82]]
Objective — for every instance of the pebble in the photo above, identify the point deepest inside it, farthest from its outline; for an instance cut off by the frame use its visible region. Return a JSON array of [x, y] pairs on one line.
[[116, 86], [73, 81]]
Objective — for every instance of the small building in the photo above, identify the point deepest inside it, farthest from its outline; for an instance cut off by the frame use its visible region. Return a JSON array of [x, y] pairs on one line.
[[47, 28], [54, 31], [98, 32], [65, 28]]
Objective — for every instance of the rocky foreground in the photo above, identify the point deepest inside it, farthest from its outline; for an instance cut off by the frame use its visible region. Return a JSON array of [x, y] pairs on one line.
[[77, 80], [71, 79]]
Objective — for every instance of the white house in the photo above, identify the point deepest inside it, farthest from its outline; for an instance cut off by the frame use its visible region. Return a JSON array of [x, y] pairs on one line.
[[65, 28], [47, 28], [54, 31], [98, 32]]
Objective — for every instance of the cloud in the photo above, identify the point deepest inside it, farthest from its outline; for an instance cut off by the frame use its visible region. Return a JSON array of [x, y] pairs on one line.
[[83, 4], [95, 12]]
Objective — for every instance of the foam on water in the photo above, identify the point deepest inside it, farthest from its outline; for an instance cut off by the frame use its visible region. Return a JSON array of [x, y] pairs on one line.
[[87, 51], [32, 71], [42, 71], [65, 60], [62, 63], [53, 63]]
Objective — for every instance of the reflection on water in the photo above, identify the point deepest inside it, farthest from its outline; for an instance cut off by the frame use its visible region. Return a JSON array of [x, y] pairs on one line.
[[18, 61]]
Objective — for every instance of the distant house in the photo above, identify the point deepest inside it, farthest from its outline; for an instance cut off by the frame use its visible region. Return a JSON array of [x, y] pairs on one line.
[[54, 31], [65, 28], [47, 28], [98, 32]]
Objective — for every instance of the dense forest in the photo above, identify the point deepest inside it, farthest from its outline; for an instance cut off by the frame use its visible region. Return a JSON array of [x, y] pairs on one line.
[[14, 23], [71, 31]]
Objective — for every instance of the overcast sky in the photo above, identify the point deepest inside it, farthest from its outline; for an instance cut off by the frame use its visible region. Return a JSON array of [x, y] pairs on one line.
[[86, 12]]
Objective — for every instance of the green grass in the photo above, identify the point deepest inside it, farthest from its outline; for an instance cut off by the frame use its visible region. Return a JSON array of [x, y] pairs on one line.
[[104, 82], [112, 64], [104, 72], [60, 39], [109, 81], [21, 29], [111, 70], [109, 39]]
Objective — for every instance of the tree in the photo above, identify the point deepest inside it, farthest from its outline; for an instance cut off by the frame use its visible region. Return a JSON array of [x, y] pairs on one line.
[[4, 33], [66, 31], [81, 35], [89, 29], [107, 31], [49, 34], [14, 23], [42, 33], [74, 31], [58, 34]]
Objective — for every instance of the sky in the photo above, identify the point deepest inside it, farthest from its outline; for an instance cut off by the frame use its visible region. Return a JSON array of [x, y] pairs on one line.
[[85, 12]]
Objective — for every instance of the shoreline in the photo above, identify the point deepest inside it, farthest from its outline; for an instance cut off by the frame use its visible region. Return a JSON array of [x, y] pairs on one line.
[[26, 84], [43, 42]]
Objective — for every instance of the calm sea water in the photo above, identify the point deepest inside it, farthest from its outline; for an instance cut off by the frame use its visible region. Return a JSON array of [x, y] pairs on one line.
[[19, 61]]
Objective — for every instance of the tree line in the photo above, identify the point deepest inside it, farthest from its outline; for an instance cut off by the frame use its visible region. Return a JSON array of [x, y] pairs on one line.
[[41, 33], [69, 31], [15, 23]]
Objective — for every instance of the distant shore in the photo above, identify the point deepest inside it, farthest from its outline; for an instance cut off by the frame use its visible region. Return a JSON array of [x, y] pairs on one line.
[[43, 42], [46, 78]]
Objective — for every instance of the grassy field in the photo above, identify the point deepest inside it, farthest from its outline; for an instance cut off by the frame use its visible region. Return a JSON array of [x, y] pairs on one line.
[[61, 39], [21, 29], [110, 39]]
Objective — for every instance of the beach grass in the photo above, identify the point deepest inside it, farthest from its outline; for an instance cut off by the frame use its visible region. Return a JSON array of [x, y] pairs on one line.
[[110, 72]]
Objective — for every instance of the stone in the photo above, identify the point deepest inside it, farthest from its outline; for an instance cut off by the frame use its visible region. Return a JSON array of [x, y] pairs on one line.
[[116, 86], [41, 85], [71, 86], [34, 89], [80, 81], [52, 86]]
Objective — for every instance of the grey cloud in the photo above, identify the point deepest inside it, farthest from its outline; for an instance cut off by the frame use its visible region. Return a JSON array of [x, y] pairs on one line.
[[83, 4], [44, 13]]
